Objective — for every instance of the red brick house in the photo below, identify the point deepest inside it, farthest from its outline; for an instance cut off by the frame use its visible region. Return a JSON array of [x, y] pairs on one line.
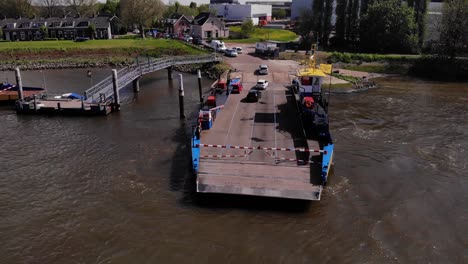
[[177, 24]]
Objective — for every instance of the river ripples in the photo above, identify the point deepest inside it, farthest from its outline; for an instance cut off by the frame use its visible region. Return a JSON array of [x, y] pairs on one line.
[[118, 189]]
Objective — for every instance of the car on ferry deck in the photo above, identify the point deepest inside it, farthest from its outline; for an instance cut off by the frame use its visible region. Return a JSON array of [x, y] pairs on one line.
[[262, 84]]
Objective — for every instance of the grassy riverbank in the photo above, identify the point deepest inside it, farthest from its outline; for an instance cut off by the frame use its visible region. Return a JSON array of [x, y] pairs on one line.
[[372, 63], [263, 34], [93, 52]]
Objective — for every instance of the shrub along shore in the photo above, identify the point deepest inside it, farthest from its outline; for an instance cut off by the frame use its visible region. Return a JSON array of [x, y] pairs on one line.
[[431, 67]]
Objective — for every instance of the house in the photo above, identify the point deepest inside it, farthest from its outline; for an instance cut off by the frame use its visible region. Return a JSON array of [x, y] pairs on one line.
[[207, 25], [177, 24], [59, 27], [243, 12]]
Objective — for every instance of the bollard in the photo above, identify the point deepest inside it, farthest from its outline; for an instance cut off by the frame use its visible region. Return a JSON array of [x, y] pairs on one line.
[[19, 83], [181, 96], [169, 73], [58, 106], [85, 94], [82, 104], [136, 85], [115, 83], [199, 86]]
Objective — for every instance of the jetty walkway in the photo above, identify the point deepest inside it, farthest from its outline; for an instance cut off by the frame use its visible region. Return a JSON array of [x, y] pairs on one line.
[[103, 97], [132, 74]]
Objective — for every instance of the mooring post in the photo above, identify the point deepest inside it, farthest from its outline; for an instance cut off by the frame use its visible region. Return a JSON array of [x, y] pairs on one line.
[[58, 106], [169, 73], [19, 83], [85, 94], [115, 83], [136, 85], [199, 86], [181, 96], [82, 104]]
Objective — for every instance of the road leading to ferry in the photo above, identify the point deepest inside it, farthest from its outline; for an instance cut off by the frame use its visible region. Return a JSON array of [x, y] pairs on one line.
[[119, 188]]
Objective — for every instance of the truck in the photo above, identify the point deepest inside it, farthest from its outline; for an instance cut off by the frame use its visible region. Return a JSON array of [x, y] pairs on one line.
[[265, 48], [218, 45]]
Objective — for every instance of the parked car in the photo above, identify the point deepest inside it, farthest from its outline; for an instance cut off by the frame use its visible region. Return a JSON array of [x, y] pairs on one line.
[[230, 53], [188, 38], [81, 39], [263, 69], [238, 49], [136, 31], [254, 95], [262, 84], [166, 35], [197, 41]]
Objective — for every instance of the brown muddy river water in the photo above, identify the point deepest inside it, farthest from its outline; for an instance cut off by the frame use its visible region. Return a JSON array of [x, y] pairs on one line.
[[118, 189]]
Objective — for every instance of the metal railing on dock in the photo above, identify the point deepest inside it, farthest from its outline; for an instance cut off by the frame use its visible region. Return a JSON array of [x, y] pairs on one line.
[[104, 89]]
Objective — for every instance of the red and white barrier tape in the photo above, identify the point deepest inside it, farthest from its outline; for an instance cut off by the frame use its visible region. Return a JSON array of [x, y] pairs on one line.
[[295, 149], [216, 108], [223, 146], [263, 148], [223, 156]]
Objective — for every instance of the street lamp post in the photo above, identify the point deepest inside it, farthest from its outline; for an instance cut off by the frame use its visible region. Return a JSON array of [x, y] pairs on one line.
[[90, 76]]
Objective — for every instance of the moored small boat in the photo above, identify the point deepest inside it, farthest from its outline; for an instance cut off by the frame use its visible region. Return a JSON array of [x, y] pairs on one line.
[[9, 92]]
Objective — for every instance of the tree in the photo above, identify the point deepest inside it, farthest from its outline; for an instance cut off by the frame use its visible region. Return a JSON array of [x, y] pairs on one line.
[[193, 5], [205, 8], [91, 31], [340, 26], [420, 10], [304, 27], [389, 26], [279, 13], [247, 28], [141, 12], [326, 23], [16, 8], [51, 6], [110, 7], [352, 21], [82, 7], [44, 32], [454, 27]]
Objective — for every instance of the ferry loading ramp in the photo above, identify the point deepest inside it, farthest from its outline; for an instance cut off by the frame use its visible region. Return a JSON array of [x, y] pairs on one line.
[[272, 123]]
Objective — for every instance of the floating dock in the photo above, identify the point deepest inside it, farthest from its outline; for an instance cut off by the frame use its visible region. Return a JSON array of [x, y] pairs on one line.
[[260, 149], [32, 105]]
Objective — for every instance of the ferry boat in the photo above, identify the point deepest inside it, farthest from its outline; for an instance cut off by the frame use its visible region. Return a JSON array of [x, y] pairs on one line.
[[242, 148]]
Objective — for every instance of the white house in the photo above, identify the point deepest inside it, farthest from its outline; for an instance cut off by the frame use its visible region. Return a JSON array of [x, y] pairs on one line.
[[238, 12]]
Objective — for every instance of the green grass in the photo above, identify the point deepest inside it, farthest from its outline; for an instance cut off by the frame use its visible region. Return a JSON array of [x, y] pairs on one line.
[[352, 57], [350, 79], [262, 34], [366, 68], [341, 86], [114, 44]]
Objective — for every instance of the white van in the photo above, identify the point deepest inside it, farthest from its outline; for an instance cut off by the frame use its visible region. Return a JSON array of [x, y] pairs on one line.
[[218, 45]]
